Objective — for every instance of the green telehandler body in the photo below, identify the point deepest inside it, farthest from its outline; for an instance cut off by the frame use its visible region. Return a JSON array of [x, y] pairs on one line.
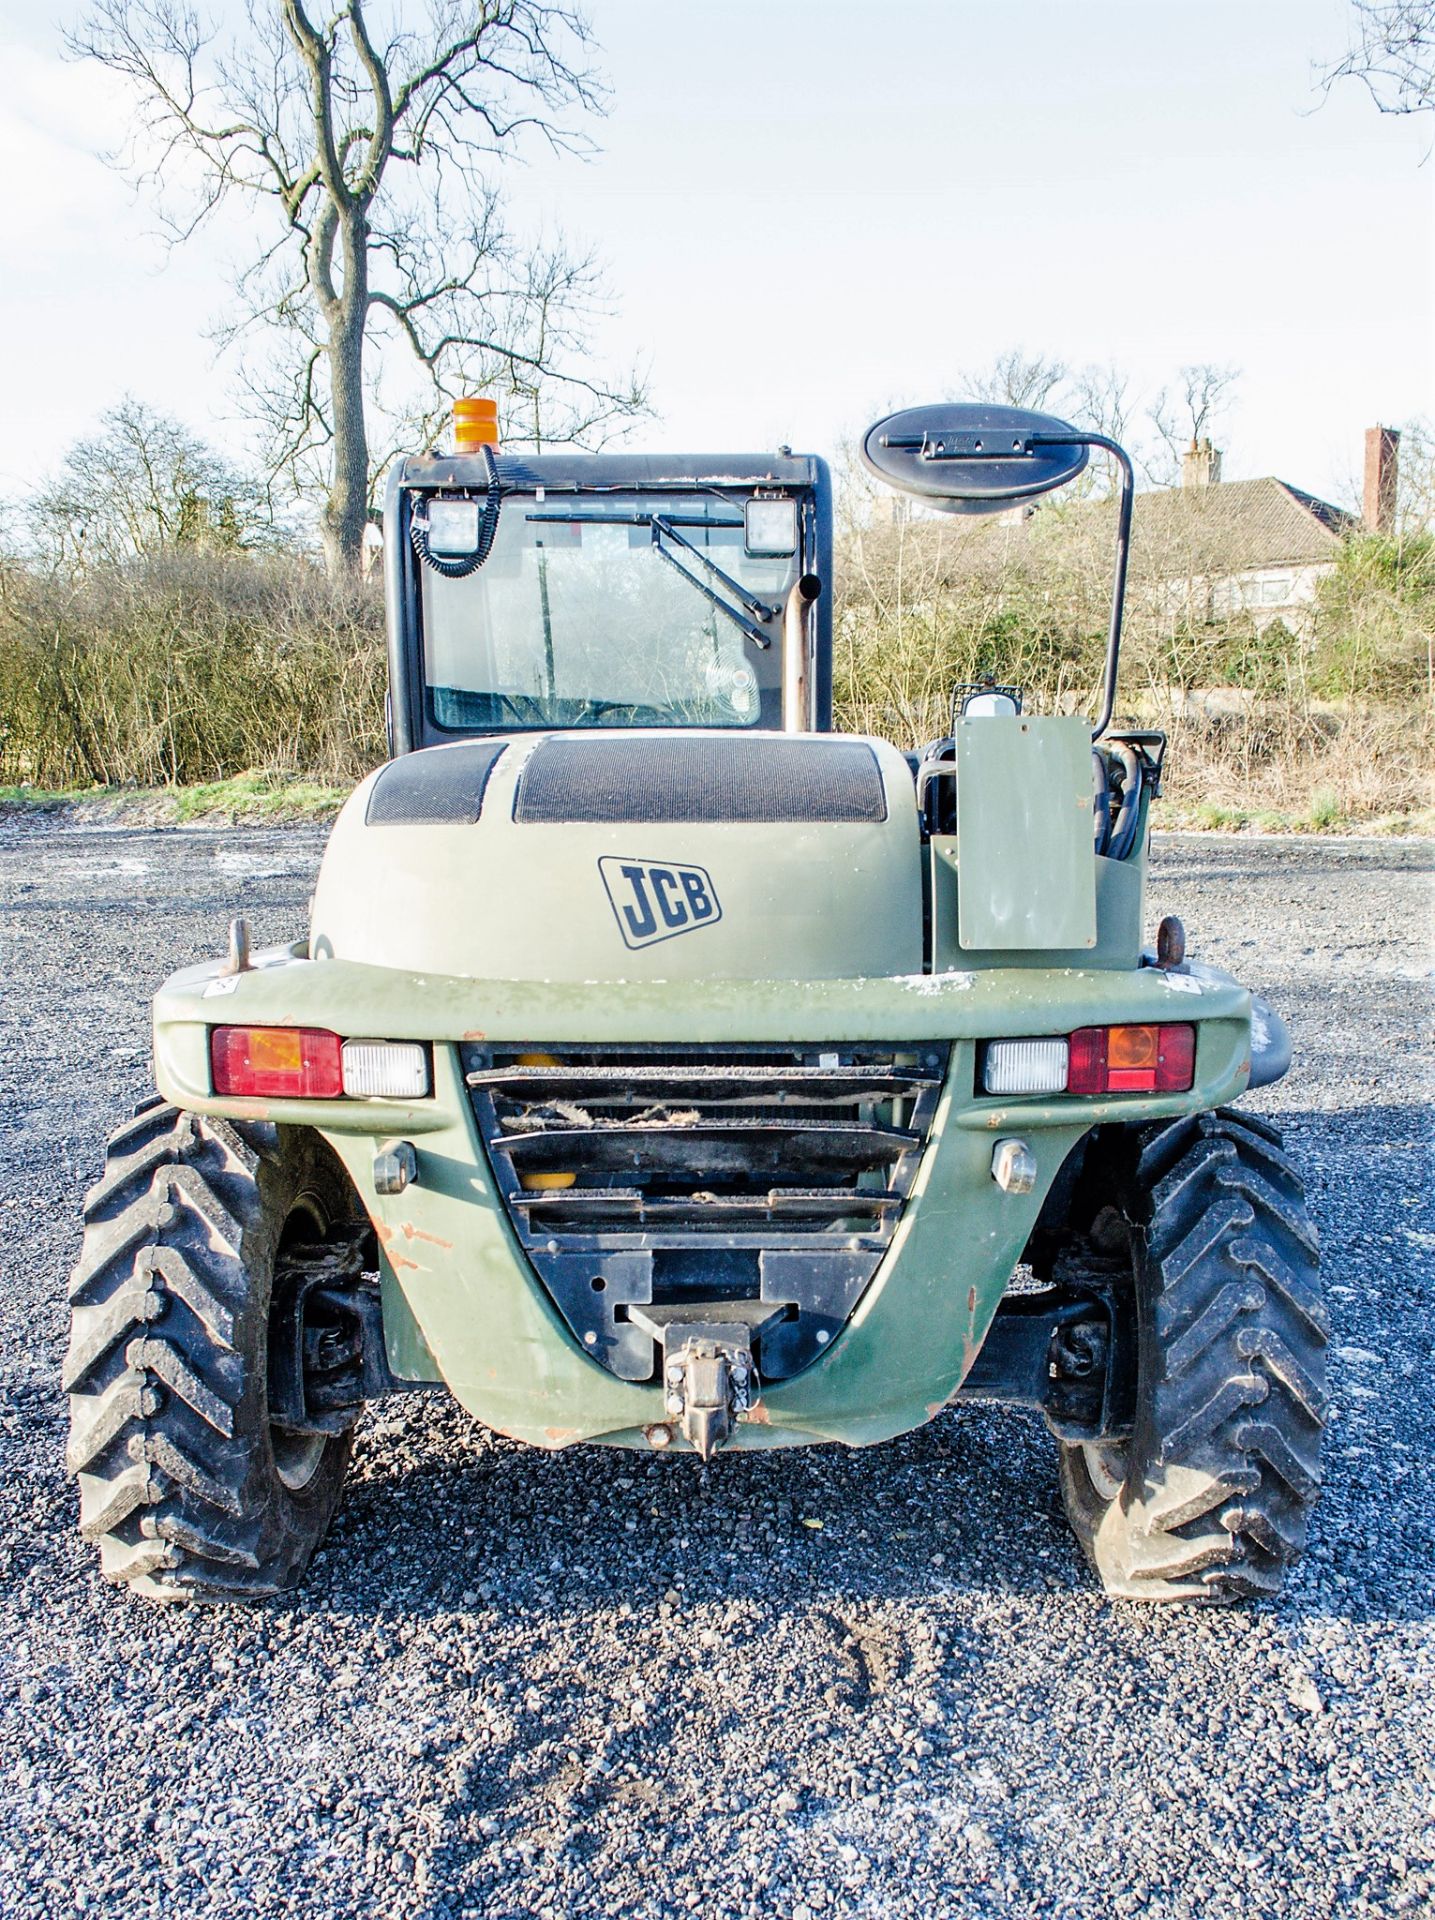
[[663, 1069]]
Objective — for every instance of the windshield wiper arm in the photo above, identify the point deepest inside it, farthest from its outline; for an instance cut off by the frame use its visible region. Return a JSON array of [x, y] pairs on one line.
[[749, 627], [758, 608], [661, 525]]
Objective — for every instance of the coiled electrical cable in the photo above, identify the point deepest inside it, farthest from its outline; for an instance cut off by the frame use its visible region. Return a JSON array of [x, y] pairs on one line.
[[464, 564]]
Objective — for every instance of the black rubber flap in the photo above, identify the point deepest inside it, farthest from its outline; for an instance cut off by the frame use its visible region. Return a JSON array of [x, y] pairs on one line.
[[439, 787], [700, 781]]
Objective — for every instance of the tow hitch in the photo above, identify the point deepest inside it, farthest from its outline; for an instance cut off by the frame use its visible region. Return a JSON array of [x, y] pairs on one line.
[[710, 1378]]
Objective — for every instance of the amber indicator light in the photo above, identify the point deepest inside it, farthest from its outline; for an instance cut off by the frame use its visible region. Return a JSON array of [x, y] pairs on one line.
[[296, 1063], [1145, 1059]]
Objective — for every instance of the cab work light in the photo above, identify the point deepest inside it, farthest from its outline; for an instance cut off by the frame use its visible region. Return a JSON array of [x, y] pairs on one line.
[[1146, 1059], [452, 526]]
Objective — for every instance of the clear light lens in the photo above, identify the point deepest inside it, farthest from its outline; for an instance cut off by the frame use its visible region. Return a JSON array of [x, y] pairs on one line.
[[1025, 1066], [982, 705], [771, 526], [453, 526], [396, 1068]]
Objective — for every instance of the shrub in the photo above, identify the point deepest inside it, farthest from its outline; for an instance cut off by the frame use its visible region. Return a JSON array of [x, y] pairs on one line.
[[189, 667]]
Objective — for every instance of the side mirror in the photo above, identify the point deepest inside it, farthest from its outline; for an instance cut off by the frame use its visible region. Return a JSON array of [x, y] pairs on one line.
[[973, 457]]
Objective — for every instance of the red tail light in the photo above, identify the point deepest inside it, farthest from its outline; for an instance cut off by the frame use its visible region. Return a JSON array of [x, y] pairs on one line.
[[296, 1063], [1157, 1059]]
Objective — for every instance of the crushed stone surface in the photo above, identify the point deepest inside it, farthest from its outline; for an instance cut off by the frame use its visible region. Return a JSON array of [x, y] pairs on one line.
[[805, 1684]]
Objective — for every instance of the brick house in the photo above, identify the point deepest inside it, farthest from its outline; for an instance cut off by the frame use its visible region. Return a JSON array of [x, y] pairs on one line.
[[1211, 550], [1204, 552]]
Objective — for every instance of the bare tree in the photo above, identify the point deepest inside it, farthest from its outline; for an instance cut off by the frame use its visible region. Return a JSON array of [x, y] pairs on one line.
[[144, 484], [373, 152], [1392, 53], [1016, 379], [1192, 413], [1101, 399]]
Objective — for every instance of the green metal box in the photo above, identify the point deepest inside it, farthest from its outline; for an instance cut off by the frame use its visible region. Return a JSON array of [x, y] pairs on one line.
[[1026, 866]]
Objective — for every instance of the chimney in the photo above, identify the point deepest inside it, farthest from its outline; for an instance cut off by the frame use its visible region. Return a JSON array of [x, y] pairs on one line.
[[1382, 466], [1200, 465]]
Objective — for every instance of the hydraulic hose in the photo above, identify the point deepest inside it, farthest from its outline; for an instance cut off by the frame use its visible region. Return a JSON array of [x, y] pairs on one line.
[[1101, 801], [1128, 815]]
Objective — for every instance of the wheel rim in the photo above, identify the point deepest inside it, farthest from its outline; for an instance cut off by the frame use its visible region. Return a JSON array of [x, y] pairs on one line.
[[1106, 1467], [1108, 1462], [297, 1456]]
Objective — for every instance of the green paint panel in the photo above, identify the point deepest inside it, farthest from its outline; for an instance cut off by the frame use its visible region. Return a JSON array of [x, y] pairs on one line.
[[1026, 870], [461, 1300]]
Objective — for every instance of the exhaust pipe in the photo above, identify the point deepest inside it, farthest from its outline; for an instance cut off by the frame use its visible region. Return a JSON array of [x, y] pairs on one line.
[[797, 712]]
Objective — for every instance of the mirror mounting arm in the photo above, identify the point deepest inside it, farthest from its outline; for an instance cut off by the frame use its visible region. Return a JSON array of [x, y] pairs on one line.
[[979, 457], [1123, 554]]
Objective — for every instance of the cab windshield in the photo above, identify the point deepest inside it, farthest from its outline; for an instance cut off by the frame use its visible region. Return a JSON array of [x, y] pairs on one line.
[[610, 609]]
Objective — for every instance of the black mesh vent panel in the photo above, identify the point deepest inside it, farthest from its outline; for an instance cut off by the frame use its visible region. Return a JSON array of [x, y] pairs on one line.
[[701, 781], [649, 1175], [440, 787]]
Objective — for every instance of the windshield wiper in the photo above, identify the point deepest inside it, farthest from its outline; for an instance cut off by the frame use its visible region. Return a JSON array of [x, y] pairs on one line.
[[663, 524]]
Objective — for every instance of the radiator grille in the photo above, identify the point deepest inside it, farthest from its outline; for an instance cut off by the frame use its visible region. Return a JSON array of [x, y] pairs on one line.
[[717, 1173]]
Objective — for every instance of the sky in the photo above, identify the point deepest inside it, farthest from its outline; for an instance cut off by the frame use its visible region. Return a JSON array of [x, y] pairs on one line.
[[812, 211]]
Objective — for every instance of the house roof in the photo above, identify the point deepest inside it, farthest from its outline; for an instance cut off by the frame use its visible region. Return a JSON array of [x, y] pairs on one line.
[[1230, 527], [1234, 526]]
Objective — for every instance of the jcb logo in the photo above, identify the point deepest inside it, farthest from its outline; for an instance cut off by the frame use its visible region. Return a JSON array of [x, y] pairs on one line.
[[654, 900]]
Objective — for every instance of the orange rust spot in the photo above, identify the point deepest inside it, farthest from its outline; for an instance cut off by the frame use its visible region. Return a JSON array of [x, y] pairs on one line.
[[971, 1299], [759, 1415], [561, 1436], [477, 1034], [385, 1234], [411, 1232]]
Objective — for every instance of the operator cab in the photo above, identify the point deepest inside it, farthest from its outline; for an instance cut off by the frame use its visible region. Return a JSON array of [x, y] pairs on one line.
[[571, 591]]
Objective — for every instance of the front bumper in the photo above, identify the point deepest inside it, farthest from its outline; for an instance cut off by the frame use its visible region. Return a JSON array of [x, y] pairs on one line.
[[462, 1302]]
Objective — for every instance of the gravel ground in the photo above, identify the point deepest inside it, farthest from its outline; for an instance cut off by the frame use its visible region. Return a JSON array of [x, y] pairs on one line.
[[805, 1684]]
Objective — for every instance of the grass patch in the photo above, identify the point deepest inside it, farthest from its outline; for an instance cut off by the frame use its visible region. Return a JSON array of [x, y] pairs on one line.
[[1323, 816], [248, 796], [27, 799], [261, 798]]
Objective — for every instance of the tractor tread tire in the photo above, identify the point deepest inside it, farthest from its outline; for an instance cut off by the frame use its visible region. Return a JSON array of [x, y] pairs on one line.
[[169, 1437], [1224, 1462]]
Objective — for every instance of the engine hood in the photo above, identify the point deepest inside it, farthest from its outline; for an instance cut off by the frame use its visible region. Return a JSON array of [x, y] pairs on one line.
[[628, 855]]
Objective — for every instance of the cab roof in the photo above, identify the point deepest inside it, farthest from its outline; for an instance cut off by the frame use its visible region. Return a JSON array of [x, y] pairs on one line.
[[566, 471]]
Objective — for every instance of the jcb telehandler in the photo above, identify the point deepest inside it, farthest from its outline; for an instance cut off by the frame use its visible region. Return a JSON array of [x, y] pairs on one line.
[[663, 1069]]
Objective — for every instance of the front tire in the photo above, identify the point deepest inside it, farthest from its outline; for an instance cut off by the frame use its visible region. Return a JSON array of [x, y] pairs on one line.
[[188, 1487], [1208, 1497]]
